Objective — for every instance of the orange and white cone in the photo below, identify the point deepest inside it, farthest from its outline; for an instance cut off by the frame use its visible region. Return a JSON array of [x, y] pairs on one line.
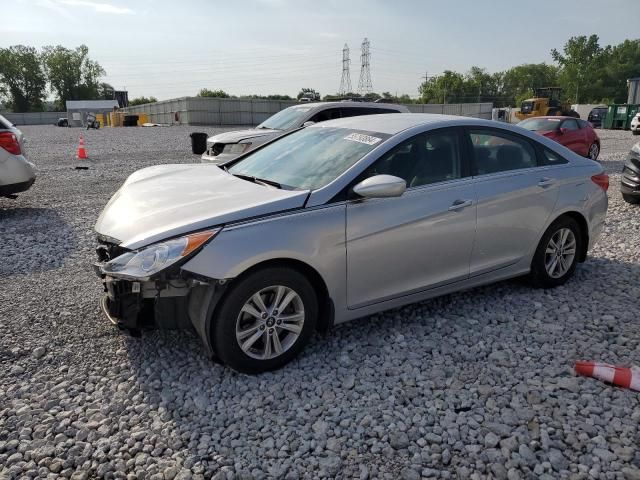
[[82, 152], [625, 377]]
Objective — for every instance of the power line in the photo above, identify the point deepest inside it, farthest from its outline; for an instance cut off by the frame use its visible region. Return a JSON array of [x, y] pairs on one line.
[[345, 82], [364, 84]]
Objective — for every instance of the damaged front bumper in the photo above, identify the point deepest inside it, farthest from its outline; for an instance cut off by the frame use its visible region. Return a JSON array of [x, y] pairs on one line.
[[152, 304]]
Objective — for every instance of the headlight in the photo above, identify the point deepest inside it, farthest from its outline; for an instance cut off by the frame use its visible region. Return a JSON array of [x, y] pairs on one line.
[[143, 264], [236, 148], [636, 148]]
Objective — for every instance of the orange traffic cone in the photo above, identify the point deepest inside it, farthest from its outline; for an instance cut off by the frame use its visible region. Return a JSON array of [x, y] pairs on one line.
[[82, 152], [624, 377]]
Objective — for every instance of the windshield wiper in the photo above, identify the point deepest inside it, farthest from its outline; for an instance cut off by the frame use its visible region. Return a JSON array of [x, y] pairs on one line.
[[261, 181]]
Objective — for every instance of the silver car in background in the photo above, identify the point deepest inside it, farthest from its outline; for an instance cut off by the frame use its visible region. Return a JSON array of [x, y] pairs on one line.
[[338, 221], [17, 174], [229, 145]]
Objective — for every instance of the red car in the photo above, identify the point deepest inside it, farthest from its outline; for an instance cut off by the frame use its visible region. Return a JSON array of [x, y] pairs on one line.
[[575, 134]]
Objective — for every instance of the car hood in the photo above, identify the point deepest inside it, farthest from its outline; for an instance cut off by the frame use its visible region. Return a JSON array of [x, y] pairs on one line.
[[239, 135], [160, 202]]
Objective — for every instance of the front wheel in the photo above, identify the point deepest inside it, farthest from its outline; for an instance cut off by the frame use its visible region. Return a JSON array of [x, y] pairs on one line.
[[594, 151], [265, 320], [556, 257]]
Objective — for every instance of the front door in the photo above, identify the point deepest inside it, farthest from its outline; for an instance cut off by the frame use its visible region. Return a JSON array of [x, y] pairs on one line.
[[423, 239]]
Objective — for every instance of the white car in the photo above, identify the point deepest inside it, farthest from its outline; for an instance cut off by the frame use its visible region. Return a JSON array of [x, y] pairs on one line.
[[226, 146], [17, 174], [635, 124]]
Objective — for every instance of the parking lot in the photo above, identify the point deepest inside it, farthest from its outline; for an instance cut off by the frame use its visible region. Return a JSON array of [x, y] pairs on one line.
[[470, 385]]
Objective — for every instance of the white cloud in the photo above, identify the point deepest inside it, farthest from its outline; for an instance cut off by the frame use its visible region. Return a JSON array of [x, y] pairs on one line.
[[98, 7]]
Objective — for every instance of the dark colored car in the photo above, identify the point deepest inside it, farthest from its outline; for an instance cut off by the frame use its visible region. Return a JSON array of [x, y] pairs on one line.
[[575, 134], [596, 116], [630, 180]]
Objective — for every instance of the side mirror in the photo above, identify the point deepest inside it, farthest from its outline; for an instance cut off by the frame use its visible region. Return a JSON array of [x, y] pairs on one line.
[[380, 186], [563, 130], [308, 124]]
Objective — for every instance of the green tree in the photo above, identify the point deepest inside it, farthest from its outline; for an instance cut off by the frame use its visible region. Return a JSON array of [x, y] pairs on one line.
[[581, 66], [446, 88], [205, 92], [621, 62], [142, 101], [519, 83], [72, 74], [22, 78]]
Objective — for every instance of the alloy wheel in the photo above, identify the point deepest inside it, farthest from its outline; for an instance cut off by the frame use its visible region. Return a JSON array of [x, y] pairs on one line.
[[270, 322], [594, 151], [560, 253]]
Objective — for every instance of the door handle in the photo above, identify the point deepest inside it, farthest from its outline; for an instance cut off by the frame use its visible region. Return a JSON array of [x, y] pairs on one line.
[[459, 204], [546, 182]]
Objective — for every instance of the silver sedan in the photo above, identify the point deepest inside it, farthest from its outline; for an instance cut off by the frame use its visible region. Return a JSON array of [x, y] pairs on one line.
[[338, 221]]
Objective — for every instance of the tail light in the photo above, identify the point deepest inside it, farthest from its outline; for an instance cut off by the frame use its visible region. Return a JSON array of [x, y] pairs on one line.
[[602, 180], [9, 142]]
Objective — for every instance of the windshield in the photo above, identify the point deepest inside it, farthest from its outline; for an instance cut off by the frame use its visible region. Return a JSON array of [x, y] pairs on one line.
[[286, 119], [309, 158], [540, 124]]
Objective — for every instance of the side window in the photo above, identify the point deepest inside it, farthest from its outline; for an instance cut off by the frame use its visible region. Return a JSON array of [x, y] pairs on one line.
[[496, 151], [328, 114], [424, 159], [570, 125], [552, 158]]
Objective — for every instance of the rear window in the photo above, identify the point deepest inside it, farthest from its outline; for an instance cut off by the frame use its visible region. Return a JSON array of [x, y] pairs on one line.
[[540, 124]]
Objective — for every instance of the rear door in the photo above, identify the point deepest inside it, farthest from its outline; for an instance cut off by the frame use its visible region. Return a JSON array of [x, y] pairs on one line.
[[516, 195]]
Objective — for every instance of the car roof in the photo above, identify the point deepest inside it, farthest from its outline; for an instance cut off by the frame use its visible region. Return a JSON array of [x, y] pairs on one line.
[[393, 123], [348, 104], [550, 117]]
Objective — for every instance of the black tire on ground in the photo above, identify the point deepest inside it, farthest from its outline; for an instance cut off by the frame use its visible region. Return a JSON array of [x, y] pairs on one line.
[[223, 331], [553, 112], [636, 132], [539, 277], [594, 151], [632, 199]]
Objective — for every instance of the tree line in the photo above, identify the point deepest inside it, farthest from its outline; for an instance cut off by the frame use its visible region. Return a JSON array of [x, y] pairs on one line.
[[586, 71], [26, 73]]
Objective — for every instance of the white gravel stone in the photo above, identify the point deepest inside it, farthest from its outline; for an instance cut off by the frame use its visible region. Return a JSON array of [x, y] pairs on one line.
[[472, 385]]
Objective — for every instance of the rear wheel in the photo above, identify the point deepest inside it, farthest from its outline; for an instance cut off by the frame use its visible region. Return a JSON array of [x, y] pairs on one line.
[[265, 320], [636, 132], [631, 198], [594, 151], [556, 257]]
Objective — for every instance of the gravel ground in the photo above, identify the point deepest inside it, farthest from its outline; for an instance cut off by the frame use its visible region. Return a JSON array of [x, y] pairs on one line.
[[472, 385]]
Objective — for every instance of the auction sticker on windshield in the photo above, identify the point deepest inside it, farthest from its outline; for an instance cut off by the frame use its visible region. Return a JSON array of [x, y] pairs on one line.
[[360, 138]]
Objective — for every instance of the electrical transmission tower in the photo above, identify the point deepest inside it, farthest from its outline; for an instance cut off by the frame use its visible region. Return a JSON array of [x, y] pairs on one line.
[[345, 83], [364, 85]]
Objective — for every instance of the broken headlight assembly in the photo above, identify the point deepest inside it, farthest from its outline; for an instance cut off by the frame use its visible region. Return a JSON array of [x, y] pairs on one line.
[[143, 264]]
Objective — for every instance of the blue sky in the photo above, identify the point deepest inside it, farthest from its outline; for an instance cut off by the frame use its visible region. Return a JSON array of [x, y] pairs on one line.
[[169, 48]]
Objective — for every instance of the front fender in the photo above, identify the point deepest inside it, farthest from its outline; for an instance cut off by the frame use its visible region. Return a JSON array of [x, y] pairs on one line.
[[314, 236]]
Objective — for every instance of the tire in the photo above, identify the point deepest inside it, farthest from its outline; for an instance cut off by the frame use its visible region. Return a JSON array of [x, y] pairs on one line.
[[594, 151], [233, 325], [632, 199], [636, 132], [552, 112], [540, 276]]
